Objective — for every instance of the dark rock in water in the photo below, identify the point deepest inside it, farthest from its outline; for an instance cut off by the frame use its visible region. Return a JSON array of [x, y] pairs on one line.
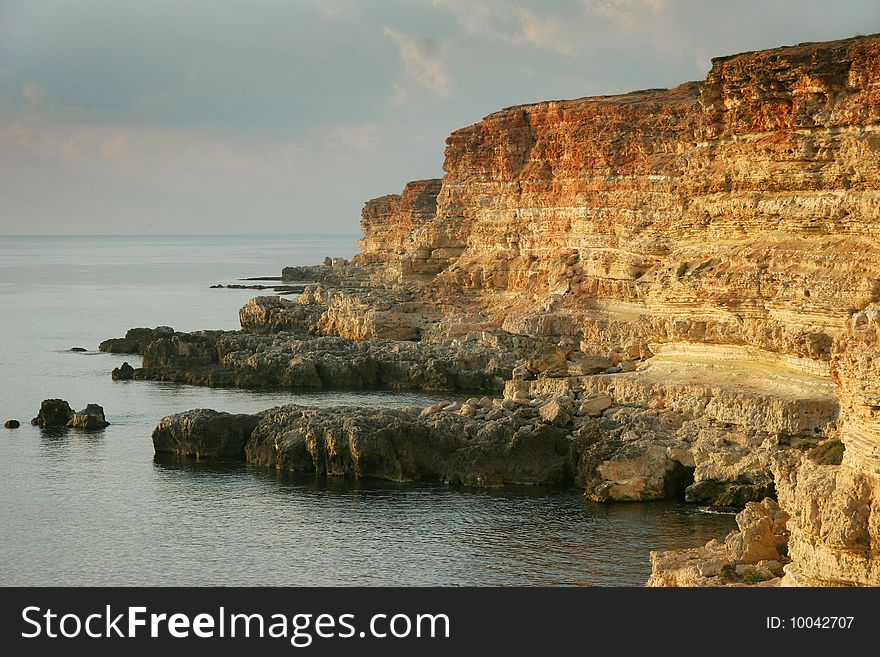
[[204, 434], [124, 372], [376, 443], [12, 424], [135, 340], [281, 289], [53, 413], [90, 418], [232, 358], [78, 349]]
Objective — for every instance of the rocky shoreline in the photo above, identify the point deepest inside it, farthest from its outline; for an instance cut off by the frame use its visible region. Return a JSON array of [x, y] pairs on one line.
[[652, 295]]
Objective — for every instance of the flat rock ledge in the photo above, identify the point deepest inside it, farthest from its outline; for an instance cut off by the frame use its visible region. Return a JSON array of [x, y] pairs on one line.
[[236, 359], [614, 452], [378, 443]]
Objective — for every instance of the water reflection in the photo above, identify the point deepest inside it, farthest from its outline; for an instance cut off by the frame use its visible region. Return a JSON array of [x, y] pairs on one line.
[[376, 532]]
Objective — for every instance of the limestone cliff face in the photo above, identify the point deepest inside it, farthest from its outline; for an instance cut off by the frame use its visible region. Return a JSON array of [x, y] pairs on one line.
[[721, 235], [835, 509], [393, 228]]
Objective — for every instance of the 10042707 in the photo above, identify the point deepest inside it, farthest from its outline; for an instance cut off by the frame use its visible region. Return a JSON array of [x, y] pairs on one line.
[[810, 622]]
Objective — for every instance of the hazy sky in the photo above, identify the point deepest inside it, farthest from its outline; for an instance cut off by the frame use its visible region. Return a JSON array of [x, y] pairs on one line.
[[270, 116]]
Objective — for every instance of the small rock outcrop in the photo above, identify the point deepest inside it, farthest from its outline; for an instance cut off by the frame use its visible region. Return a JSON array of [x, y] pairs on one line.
[[755, 554], [135, 340], [124, 372], [53, 413], [12, 424], [57, 413], [204, 434], [91, 418]]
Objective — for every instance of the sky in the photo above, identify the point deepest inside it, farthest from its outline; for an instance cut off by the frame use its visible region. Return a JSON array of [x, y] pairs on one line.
[[271, 116]]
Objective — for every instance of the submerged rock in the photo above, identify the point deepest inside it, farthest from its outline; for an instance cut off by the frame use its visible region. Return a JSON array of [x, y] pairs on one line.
[[91, 418], [53, 413]]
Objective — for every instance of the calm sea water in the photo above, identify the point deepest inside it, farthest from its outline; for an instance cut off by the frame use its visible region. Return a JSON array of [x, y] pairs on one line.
[[97, 509]]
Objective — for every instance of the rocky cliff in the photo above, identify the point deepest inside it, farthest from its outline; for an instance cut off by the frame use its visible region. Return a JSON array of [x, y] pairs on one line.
[[723, 233], [704, 259]]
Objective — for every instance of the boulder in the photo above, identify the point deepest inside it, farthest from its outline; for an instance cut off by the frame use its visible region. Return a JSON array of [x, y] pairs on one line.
[[91, 418], [53, 413], [593, 406], [556, 411], [762, 529], [12, 424], [548, 362], [753, 555]]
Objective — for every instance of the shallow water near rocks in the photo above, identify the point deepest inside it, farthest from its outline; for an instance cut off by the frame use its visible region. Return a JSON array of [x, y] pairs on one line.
[[98, 508]]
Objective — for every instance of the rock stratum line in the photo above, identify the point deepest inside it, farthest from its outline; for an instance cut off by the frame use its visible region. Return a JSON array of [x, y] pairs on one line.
[[678, 291]]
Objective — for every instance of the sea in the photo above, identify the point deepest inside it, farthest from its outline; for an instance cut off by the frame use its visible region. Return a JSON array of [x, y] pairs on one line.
[[97, 509]]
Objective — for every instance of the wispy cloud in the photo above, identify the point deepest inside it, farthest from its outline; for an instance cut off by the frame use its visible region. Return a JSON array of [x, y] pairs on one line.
[[399, 95], [343, 138], [422, 60], [625, 13], [85, 144], [34, 97], [563, 30], [514, 25]]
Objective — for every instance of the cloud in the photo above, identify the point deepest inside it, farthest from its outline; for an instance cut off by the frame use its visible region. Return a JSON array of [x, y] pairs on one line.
[[548, 34], [513, 25], [344, 138], [421, 58], [399, 95], [625, 13], [34, 97], [38, 139], [566, 29]]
